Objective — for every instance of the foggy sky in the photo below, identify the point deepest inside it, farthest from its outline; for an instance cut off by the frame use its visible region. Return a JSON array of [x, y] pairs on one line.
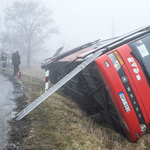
[[82, 21]]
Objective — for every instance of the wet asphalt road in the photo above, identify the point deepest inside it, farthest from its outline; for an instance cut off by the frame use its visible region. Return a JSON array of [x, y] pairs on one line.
[[6, 108]]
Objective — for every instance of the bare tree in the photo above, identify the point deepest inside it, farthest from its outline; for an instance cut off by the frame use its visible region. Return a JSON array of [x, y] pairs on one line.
[[6, 41], [30, 24]]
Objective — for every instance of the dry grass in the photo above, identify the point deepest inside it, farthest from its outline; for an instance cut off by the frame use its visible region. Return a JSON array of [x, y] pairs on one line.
[[58, 123]]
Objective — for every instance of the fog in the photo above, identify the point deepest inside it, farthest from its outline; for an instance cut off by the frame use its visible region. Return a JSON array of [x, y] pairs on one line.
[[82, 21]]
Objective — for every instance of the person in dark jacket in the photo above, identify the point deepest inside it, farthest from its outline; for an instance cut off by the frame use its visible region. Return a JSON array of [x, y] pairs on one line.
[[3, 60], [16, 62]]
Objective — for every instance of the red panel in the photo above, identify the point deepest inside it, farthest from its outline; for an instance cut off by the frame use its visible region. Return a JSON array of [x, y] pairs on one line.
[[86, 53], [76, 54], [115, 86], [139, 82]]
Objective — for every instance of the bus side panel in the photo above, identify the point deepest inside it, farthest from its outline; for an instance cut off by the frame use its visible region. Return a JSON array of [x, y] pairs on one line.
[[115, 86]]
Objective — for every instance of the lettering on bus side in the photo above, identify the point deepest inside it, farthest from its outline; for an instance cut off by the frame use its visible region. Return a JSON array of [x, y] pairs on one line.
[[135, 69]]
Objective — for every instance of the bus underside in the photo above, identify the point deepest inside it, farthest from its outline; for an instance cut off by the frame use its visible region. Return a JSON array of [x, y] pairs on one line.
[[88, 90]]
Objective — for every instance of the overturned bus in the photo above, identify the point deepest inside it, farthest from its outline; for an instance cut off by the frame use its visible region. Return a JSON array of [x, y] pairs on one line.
[[114, 87]]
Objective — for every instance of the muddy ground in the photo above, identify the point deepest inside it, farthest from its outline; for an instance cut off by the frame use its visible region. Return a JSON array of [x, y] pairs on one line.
[[19, 129]]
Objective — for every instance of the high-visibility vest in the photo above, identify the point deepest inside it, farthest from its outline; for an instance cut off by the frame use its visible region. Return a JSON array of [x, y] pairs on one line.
[[3, 58]]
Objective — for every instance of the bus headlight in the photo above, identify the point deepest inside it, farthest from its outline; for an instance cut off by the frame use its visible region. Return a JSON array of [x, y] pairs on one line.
[[116, 60]]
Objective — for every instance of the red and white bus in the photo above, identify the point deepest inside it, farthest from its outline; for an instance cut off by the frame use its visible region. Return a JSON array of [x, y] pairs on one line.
[[115, 87]]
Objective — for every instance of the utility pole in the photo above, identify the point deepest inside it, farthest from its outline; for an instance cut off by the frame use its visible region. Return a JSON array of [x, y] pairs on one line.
[[113, 28]]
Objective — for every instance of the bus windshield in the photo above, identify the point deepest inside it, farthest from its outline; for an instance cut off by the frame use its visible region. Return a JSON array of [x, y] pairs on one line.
[[141, 49]]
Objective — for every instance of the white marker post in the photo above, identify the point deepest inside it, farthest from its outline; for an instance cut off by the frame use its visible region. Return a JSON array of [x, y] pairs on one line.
[[46, 80]]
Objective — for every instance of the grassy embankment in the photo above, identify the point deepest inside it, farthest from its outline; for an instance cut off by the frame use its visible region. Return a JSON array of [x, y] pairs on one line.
[[58, 123]]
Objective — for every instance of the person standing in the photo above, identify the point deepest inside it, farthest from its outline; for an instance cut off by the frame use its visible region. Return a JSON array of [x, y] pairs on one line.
[[3, 60], [16, 62]]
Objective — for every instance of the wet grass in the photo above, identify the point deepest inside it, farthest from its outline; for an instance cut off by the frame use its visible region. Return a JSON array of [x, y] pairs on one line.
[[60, 124]]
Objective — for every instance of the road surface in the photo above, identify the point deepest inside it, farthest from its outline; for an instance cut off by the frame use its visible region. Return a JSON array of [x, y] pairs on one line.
[[7, 105]]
